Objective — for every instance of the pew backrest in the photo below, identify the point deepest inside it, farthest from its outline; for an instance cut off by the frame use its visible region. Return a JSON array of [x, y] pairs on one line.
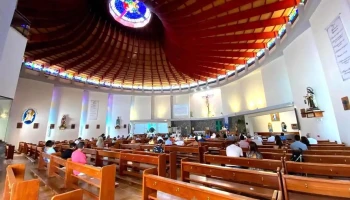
[[152, 184], [338, 170]]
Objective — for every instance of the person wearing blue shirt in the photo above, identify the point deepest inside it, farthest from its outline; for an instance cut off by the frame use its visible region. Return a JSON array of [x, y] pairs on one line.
[[283, 138], [297, 145]]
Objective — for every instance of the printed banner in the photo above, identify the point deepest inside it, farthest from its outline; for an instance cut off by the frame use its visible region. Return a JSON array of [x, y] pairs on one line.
[[93, 110]]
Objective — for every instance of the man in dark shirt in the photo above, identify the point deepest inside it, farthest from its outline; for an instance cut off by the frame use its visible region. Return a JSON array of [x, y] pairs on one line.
[[68, 152], [158, 148]]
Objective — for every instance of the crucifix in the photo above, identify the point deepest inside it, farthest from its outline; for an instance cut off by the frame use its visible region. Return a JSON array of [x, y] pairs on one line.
[[207, 97]]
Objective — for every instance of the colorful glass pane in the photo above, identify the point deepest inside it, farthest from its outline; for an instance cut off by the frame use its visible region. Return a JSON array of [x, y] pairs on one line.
[[131, 13]]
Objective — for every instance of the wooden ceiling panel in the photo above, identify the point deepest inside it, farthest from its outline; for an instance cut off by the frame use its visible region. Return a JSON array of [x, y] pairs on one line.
[[186, 41]]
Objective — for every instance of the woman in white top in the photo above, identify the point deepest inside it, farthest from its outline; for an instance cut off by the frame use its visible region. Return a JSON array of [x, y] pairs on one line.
[[100, 143]]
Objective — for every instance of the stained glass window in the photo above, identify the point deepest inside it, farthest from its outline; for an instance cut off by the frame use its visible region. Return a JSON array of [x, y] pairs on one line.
[[131, 13]]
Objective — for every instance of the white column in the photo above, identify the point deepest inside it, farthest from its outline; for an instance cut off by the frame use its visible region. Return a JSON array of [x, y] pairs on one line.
[[7, 8]]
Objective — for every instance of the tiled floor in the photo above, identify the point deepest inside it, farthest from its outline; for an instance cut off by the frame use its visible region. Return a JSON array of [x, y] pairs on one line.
[[124, 191]]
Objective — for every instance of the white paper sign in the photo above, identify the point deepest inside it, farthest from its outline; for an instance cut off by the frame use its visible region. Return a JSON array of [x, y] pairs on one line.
[[341, 47], [93, 110], [180, 110]]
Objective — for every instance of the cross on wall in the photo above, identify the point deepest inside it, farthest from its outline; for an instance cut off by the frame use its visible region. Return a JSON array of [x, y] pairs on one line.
[[207, 102]]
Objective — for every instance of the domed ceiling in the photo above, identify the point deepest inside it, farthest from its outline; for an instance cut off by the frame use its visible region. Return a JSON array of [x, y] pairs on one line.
[[177, 43]]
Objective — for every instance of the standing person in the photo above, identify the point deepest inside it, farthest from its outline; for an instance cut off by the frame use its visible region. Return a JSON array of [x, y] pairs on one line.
[[78, 156], [2, 154], [68, 152], [100, 143], [49, 149]]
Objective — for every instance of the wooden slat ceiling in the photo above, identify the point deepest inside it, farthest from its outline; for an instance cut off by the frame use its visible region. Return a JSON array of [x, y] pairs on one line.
[[186, 40]]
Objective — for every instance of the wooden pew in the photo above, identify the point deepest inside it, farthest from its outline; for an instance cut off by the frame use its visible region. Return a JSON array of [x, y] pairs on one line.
[[306, 188], [102, 178], [171, 162], [324, 152], [331, 170], [139, 162], [16, 188], [263, 164], [10, 151], [265, 185], [323, 159], [135, 146], [193, 153], [266, 155], [153, 184], [72, 195], [90, 155]]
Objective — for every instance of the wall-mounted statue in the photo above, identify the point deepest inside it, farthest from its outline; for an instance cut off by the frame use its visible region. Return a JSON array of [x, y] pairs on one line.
[[310, 99], [269, 126], [63, 122], [117, 123], [284, 127]]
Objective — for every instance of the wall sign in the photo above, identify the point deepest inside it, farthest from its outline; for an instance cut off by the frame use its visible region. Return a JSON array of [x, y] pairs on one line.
[[180, 110], [93, 109], [341, 47], [29, 116]]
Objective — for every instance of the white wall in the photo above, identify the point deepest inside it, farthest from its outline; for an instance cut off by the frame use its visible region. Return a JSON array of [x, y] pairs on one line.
[[29, 94], [276, 83], [120, 108], [102, 99], [260, 123], [7, 8], [305, 70], [69, 103], [141, 108], [245, 94], [199, 107], [162, 107], [10, 62], [337, 87]]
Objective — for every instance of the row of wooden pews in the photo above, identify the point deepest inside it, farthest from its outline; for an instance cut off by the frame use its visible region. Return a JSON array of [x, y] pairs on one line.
[[16, 188]]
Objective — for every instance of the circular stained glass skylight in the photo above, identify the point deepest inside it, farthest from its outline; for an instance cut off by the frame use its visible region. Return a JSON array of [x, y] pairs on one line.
[[131, 13]]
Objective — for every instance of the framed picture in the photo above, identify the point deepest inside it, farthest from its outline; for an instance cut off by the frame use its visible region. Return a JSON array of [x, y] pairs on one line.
[[36, 125], [86, 126], [97, 126], [294, 126], [345, 102], [52, 126], [19, 125], [72, 126], [275, 117]]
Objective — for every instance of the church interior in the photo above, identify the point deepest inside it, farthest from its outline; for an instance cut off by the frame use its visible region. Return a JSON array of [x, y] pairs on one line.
[[174, 99]]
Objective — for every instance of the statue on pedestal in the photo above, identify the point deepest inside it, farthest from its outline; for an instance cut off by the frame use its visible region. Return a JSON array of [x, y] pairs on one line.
[[63, 123], [310, 99], [117, 123]]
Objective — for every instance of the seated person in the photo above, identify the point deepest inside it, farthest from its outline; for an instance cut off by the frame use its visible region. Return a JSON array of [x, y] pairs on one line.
[[194, 143], [158, 148], [152, 141], [283, 138], [279, 143], [296, 145], [78, 156], [243, 143], [201, 138], [49, 149], [305, 141], [213, 136], [168, 141], [160, 138], [311, 140], [234, 150], [68, 152], [133, 140], [254, 153], [138, 138], [271, 138], [180, 141], [114, 140], [207, 136], [231, 137], [77, 140]]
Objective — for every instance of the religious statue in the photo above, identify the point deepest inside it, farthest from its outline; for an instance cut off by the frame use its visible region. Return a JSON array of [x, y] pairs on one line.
[[117, 123], [269, 125], [63, 123], [284, 127], [310, 99]]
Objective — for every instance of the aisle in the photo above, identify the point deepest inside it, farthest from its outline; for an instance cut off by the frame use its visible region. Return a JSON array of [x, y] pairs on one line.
[[123, 192]]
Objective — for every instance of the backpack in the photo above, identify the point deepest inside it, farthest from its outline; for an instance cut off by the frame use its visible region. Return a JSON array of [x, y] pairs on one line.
[[297, 156]]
